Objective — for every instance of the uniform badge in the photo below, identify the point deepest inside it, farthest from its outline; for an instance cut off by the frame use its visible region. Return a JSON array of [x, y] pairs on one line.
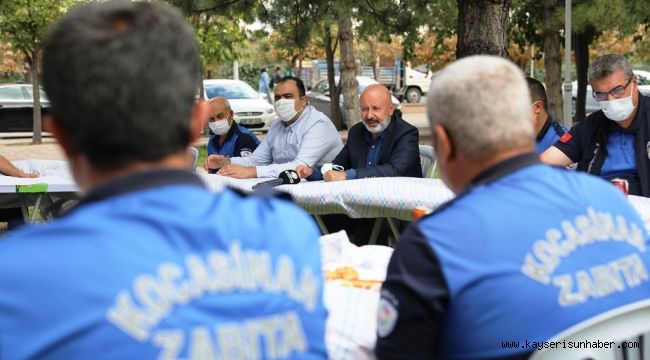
[[565, 138], [386, 317]]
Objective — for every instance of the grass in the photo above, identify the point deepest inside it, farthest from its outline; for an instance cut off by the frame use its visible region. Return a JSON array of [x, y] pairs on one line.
[[203, 154]]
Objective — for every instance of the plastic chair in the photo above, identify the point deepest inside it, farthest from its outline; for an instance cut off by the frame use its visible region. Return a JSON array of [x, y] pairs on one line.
[[428, 161], [194, 156], [629, 323]]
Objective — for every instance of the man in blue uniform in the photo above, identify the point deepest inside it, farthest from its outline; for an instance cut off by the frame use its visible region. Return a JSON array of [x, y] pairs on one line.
[[613, 142], [523, 252], [547, 129], [381, 145], [230, 139], [151, 264]]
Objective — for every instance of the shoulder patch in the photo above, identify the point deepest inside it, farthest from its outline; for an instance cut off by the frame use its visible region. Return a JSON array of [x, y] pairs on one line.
[[565, 138], [386, 318], [245, 152]]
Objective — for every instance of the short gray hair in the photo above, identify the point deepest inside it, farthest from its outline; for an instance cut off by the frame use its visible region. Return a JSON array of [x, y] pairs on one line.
[[484, 104], [605, 65]]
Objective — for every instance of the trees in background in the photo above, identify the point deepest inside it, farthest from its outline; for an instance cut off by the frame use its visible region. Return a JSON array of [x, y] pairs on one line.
[[483, 27], [23, 24]]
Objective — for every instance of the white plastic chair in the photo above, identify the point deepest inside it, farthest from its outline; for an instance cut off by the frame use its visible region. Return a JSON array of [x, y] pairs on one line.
[[630, 323], [428, 161], [194, 156]]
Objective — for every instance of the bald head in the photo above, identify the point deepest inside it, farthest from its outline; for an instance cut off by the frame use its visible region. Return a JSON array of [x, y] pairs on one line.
[[219, 109], [376, 93], [376, 108], [220, 103]]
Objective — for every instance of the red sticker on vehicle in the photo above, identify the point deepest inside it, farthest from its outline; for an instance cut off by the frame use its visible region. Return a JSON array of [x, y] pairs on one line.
[[565, 138]]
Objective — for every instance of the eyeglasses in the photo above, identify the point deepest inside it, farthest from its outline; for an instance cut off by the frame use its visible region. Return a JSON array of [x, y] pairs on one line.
[[616, 92]]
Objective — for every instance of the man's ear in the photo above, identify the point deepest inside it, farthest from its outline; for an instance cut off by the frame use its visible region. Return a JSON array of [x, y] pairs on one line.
[[537, 107], [443, 144], [199, 117], [53, 126]]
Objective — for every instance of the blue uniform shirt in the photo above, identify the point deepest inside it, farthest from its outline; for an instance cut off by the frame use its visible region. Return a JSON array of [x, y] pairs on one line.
[[524, 253], [153, 265], [374, 154], [239, 142], [620, 155], [549, 134]]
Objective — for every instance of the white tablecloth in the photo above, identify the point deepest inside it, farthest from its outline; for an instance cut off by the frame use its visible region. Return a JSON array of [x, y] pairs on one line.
[[362, 198], [54, 173]]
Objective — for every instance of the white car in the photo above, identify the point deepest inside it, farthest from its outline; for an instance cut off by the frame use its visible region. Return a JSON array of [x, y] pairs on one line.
[[643, 80], [251, 111]]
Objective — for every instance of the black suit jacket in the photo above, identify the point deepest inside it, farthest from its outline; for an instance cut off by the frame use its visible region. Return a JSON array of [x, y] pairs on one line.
[[400, 154]]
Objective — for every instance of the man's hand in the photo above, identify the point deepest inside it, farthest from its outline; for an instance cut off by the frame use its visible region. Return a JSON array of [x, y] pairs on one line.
[[214, 162], [334, 175], [304, 171], [23, 174], [238, 171]]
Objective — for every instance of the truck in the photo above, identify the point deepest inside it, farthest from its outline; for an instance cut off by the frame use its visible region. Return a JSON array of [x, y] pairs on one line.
[[410, 84], [405, 82]]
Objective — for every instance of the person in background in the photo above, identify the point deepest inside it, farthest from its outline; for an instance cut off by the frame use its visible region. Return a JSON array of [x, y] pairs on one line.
[[614, 142], [523, 252], [277, 75], [151, 264], [230, 139], [302, 136], [264, 85], [547, 129], [381, 145]]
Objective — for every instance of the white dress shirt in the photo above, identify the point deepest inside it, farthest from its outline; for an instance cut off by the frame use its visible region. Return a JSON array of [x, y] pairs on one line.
[[311, 141]]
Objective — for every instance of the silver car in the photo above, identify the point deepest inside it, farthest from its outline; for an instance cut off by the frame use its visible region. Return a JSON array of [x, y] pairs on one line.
[[19, 95]]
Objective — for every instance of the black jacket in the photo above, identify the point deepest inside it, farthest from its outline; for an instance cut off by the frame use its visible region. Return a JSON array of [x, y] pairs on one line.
[[586, 142], [400, 154]]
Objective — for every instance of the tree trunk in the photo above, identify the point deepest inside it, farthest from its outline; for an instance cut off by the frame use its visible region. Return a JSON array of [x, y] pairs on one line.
[[582, 41], [348, 67], [37, 135], [552, 61], [335, 109], [482, 27]]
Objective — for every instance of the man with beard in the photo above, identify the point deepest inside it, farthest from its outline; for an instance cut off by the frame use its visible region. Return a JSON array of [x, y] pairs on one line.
[[381, 145]]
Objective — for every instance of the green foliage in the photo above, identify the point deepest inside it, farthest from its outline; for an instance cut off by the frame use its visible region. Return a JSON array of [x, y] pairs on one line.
[[412, 19], [23, 23]]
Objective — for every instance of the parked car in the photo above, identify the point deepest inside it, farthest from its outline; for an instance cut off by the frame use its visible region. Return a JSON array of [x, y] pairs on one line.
[[17, 107], [319, 96], [251, 111], [591, 105], [20, 95]]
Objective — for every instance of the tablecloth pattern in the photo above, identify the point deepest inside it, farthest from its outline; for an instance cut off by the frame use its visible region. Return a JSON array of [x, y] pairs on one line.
[[361, 198]]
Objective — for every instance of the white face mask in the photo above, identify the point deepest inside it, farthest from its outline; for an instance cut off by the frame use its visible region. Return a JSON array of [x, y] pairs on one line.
[[381, 126], [285, 108], [219, 127], [618, 109]]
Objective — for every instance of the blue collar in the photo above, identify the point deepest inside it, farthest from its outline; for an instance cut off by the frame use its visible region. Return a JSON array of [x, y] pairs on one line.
[[138, 181]]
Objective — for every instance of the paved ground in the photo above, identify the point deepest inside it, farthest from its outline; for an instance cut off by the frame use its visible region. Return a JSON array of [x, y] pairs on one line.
[[17, 146]]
